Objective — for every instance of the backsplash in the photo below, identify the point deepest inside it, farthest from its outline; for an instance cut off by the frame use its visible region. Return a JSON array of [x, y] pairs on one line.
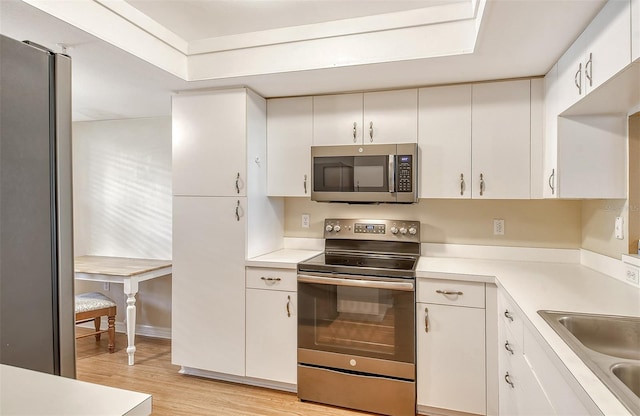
[[527, 223]]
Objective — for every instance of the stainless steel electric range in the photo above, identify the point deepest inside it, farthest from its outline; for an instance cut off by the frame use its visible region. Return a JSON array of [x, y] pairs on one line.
[[356, 317]]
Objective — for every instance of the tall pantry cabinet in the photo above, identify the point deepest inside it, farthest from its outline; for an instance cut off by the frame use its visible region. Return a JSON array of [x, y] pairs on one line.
[[219, 197]]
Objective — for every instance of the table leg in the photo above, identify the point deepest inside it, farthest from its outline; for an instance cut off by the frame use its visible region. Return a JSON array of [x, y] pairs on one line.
[[131, 326]]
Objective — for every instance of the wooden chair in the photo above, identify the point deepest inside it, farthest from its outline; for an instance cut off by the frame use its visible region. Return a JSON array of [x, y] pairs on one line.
[[92, 307]]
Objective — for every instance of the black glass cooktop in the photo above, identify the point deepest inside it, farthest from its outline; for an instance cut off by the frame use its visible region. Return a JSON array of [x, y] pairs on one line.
[[362, 264]]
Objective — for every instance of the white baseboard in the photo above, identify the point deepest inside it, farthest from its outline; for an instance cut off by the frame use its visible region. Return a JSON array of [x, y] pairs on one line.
[[144, 330], [239, 379]]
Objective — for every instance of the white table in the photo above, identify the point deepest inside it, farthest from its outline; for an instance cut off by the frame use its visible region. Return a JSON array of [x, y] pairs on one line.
[[130, 272], [28, 393]]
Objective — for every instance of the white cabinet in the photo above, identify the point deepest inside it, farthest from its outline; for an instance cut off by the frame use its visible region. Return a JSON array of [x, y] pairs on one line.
[[444, 140], [337, 119], [214, 233], [451, 370], [271, 325], [209, 143], [600, 52], [376, 117], [501, 140], [391, 116], [529, 383], [208, 311], [289, 139]]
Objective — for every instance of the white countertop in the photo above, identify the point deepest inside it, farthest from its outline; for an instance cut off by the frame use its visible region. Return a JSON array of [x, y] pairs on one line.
[[27, 392], [533, 286], [282, 259]]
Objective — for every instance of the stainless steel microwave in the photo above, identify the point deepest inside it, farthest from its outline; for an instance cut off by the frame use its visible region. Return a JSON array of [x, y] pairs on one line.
[[365, 174]]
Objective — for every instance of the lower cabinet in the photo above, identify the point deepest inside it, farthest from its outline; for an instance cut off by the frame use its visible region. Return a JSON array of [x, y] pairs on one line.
[[529, 383], [451, 361], [271, 325]]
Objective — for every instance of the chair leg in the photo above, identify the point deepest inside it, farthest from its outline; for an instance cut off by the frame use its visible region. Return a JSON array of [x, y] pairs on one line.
[[112, 333], [96, 324]]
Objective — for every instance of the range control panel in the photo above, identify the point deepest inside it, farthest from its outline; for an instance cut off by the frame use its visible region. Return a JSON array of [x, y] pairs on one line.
[[363, 229]]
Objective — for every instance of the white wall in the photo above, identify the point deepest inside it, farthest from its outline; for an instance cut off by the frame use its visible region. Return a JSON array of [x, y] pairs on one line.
[[122, 203]]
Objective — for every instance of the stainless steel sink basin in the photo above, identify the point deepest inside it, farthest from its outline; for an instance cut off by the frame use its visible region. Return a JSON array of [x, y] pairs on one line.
[[609, 345]]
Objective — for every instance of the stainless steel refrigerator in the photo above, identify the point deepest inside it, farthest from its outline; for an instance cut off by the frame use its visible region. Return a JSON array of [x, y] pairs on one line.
[[36, 233]]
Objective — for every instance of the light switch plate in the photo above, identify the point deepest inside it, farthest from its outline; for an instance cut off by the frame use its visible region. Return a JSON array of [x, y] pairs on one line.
[[619, 228]]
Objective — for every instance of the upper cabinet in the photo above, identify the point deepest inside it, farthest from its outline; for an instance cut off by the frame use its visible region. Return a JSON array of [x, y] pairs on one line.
[[209, 143], [376, 117], [476, 140], [501, 140], [391, 117], [600, 52], [444, 139], [289, 133]]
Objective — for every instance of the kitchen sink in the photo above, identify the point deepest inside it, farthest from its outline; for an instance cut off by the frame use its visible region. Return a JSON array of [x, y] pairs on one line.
[[609, 345]]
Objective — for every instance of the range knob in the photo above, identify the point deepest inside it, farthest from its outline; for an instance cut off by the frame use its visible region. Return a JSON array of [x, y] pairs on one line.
[[337, 228], [403, 230], [412, 230], [394, 230], [329, 228]]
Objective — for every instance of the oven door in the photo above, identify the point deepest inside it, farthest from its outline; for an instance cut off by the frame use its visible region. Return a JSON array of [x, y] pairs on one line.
[[357, 324]]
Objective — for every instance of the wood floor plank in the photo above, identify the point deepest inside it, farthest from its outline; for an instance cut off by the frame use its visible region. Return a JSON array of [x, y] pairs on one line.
[[175, 394]]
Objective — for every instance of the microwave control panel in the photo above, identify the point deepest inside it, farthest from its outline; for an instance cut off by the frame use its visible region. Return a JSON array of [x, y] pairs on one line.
[[405, 167]]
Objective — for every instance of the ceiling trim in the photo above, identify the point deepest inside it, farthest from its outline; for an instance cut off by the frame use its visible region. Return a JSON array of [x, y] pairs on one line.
[[437, 31]]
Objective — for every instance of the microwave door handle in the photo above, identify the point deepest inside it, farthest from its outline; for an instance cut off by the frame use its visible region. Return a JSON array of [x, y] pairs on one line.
[[392, 173]]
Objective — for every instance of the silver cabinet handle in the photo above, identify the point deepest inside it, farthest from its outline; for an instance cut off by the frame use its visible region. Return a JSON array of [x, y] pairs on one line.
[[462, 184], [288, 303], [238, 183], [507, 347], [371, 131], [305, 184], [552, 180], [508, 315], [270, 279], [447, 292], [238, 211], [588, 68], [426, 319], [507, 378], [481, 184], [355, 131], [577, 79]]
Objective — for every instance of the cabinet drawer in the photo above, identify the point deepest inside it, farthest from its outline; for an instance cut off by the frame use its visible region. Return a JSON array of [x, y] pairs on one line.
[[510, 317], [451, 292], [274, 279]]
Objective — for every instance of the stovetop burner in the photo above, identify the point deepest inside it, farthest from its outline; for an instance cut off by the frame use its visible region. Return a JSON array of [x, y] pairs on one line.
[[368, 247]]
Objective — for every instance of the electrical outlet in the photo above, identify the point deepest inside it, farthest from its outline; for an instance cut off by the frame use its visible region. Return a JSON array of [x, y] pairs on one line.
[[633, 274], [498, 227], [305, 220]]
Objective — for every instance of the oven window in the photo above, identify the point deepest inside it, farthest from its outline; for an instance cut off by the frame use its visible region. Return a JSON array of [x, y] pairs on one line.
[[369, 322], [351, 174]]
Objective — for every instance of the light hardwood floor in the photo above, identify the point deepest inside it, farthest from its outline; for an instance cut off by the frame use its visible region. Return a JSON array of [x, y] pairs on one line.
[[175, 394]]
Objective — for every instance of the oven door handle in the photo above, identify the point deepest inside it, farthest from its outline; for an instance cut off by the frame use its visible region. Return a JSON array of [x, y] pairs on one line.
[[375, 284]]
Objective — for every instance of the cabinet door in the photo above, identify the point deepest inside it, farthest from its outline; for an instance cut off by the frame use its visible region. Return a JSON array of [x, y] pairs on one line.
[[550, 161], [337, 119], [209, 142], [391, 117], [208, 285], [444, 137], [451, 358], [608, 44], [289, 138], [571, 82], [271, 335], [501, 131]]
